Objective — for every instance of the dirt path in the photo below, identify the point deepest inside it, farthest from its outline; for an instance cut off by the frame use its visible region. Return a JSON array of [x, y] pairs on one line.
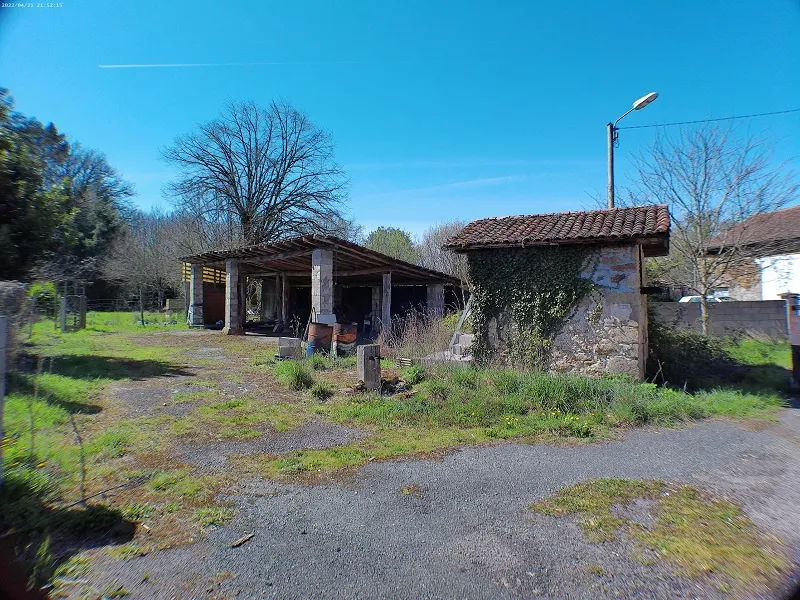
[[466, 531]]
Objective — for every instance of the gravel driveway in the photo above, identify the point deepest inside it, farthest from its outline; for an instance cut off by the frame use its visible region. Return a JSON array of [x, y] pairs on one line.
[[468, 533]]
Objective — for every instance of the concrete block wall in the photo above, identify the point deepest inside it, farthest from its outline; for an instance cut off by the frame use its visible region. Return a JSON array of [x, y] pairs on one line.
[[764, 317]]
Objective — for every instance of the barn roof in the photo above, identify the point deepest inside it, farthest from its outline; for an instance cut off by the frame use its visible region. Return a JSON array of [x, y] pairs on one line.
[[352, 263], [645, 225], [775, 232]]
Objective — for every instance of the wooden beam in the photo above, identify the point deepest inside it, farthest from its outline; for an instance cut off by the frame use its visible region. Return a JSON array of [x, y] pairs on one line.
[[386, 304]]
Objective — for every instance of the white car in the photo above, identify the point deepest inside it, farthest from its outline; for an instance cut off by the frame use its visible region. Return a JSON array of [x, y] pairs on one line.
[[699, 299]]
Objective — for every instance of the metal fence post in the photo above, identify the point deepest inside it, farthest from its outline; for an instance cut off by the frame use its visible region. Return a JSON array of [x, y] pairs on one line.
[[3, 368]]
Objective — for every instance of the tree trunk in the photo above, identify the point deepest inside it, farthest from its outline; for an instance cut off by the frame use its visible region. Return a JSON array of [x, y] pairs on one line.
[[704, 314]]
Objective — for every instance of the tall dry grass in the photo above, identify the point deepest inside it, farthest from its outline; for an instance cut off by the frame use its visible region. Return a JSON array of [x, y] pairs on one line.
[[415, 336]]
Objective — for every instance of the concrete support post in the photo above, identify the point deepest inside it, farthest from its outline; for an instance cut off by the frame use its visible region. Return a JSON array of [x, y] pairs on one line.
[[284, 300], [186, 301], [368, 364], [322, 281], [233, 318], [386, 303], [436, 300], [196, 296], [270, 299]]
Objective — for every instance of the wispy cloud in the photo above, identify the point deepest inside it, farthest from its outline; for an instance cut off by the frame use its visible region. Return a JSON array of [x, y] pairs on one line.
[[456, 185], [229, 64], [464, 163]]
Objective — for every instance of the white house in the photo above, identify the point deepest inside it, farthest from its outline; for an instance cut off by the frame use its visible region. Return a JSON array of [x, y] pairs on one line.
[[772, 240]]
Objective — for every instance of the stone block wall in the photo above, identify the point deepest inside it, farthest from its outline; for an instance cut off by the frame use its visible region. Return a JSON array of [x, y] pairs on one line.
[[607, 331], [764, 317]]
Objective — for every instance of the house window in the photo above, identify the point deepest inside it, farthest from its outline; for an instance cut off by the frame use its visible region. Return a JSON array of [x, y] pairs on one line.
[[722, 292]]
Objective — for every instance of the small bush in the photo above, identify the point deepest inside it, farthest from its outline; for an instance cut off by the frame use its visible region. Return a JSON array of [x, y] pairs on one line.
[[683, 357], [322, 392], [294, 374], [43, 294], [412, 375], [450, 322], [317, 362]]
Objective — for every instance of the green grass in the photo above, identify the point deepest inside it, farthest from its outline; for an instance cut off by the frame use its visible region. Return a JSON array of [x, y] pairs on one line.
[[214, 515], [694, 531], [294, 374], [322, 392], [750, 351], [449, 407]]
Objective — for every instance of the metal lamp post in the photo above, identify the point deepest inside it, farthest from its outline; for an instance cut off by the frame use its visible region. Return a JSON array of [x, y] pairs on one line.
[[612, 138]]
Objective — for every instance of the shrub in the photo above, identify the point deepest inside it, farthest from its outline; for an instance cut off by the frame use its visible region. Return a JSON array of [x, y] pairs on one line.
[[294, 374], [450, 322], [686, 358], [317, 362], [412, 375], [43, 294], [321, 391]]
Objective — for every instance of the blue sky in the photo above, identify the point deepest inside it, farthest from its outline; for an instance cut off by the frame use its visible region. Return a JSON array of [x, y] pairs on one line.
[[438, 109]]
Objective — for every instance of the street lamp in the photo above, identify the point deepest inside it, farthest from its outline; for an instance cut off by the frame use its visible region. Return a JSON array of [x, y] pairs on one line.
[[613, 135]]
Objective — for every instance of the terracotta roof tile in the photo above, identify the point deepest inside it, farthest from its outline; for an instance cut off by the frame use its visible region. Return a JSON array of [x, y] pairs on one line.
[[766, 229], [594, 226]]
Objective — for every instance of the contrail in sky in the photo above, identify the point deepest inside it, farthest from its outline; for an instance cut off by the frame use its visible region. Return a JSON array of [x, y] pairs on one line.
[[234, 64]]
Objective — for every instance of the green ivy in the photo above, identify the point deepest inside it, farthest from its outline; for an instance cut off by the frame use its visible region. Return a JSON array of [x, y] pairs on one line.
[[531, 292]]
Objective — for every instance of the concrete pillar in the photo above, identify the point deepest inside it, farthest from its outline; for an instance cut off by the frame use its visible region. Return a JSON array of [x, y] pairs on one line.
[[386, 303], [284, 300], [436, 300], [368, 364], [196, 296], [322, 281], [269, 299], [233, 318]]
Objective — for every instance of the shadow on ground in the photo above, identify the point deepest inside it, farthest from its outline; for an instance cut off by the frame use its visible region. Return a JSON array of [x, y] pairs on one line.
[[109, 367], [36, 537]]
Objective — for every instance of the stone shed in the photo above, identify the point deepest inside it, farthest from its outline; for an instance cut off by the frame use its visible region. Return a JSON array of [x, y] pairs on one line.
[[564, 292]]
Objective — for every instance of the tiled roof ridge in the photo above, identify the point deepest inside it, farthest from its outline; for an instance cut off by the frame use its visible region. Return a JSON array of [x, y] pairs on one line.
[[574, 212]]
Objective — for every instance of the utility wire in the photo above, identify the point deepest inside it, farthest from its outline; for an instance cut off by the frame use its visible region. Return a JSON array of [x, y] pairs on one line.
[[766, 114]]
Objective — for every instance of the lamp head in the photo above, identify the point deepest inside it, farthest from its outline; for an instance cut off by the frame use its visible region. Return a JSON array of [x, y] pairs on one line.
[[644, 101]]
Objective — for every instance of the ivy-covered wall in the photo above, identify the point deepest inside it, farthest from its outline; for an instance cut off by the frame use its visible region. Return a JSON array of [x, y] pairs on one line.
[[564, 308]]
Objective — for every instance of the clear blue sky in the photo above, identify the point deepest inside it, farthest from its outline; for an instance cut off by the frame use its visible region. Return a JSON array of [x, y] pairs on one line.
[[438, 109]]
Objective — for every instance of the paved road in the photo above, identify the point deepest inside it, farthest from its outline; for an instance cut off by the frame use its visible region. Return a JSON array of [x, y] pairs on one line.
[[471, 535]]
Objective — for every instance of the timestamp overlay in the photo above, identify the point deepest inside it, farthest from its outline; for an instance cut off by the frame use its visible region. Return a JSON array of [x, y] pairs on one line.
[[31, 5]]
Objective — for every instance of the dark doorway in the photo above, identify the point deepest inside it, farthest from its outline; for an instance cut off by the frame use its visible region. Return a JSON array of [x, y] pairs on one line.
[[407, 298], [356, 303]]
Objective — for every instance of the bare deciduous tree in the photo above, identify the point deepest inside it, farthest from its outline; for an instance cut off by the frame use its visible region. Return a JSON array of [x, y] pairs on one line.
[[259, 174], [713, 181], [144, 258], [431, 252]]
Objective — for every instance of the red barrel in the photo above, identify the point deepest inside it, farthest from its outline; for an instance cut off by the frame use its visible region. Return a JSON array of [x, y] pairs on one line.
[[320, 336], [345, 333]]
